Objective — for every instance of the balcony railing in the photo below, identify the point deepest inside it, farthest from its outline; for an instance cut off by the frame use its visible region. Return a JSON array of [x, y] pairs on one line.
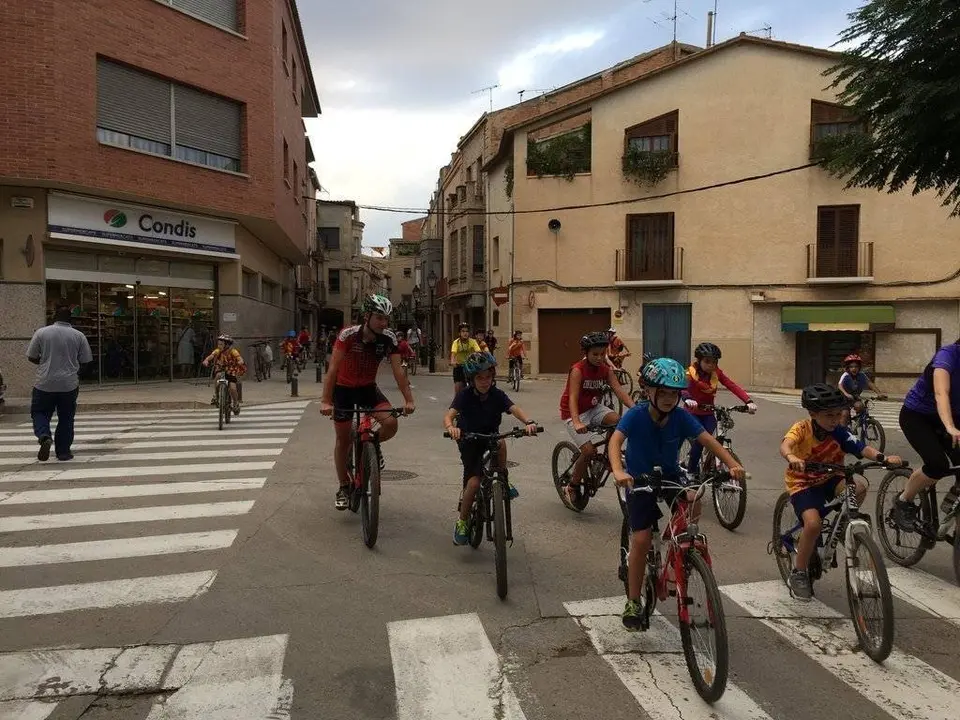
[[655, 267], [853, 264]]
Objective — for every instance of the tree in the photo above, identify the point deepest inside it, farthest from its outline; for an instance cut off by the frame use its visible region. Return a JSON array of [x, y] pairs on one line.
[[902, 78]]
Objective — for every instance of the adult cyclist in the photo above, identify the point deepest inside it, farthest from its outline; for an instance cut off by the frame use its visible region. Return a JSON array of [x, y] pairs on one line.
[[352, 381]]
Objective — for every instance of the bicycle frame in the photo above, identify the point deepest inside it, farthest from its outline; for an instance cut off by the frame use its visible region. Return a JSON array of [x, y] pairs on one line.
[[599, 478]]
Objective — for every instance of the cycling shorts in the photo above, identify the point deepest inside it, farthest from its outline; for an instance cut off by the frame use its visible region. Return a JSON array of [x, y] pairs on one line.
[[348, 398]]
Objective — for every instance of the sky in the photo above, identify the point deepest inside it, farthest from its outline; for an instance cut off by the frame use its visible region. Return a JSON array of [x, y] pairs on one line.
[[400, 82]]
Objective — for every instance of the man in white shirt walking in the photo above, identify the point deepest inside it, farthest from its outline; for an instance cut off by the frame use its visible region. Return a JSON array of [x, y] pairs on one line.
[[58, 350]]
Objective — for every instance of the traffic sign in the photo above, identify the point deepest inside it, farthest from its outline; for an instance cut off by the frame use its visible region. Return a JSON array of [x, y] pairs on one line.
[[500, 295]]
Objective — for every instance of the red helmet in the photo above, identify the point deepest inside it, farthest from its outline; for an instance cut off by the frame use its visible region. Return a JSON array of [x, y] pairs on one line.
[[852, 358]]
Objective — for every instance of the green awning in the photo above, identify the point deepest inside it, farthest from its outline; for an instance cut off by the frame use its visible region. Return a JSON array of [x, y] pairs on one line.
[[801, 318]]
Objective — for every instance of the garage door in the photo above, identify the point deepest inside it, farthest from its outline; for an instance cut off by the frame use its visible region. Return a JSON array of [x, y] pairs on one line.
[[559, 333]]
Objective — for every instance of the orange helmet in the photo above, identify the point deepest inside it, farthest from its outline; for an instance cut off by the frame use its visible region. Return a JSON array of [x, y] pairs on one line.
[[852, 358]]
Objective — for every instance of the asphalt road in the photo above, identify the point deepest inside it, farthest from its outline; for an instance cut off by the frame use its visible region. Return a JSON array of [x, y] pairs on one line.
[[174, 571]]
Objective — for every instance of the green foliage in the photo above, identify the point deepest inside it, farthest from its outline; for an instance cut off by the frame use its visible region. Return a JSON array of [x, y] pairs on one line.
[[901, 79], [564, 155], [647, 167], [508, 179]]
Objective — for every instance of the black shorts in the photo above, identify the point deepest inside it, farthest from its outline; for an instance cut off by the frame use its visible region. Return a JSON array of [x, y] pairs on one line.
[[643, 510], [927, 435], [458, 376], [471, 455], [348, 398], [814, 498]]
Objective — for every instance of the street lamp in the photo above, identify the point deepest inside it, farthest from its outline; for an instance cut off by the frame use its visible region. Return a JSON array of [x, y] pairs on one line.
[[431, 286]]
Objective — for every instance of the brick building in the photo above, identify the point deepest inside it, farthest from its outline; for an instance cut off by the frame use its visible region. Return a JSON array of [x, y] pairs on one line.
[[153, 174]]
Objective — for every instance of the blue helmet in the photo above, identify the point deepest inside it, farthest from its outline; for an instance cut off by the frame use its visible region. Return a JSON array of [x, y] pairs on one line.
[[478, 362], [291, 333], [664, 373]]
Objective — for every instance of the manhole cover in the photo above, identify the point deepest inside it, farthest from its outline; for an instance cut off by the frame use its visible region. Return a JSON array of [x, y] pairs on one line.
[[394, 475]]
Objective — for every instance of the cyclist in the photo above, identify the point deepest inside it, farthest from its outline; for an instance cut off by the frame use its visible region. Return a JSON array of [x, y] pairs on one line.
[[580, 405], [228, 358], [481, 337], [289, 348], [617, 352], [854, 381], [704, 378], [820, 438], [641, 390], [463, 347], [407, 356], [930, 418], [352, 381], [479, 409], [654, 432], [516, 352], [304, 340]]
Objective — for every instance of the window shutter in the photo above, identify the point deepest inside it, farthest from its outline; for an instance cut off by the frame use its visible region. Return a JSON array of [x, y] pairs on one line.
[[848, 226], [221, 12], [132, 102], [206, 122], [663, 125], [825, 113], [826, 227]]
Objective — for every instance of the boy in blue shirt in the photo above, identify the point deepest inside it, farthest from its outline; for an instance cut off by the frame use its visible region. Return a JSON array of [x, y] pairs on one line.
[[479, 408], [655, 430], [854, 381]]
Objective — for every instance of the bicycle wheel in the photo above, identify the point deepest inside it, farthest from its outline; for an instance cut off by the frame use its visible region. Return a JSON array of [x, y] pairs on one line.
[[564, 455], [221, 405], [370, 495], [516, 378], [729, 504], [227, 404], [874, 434], [904, 548], [500, 535], [710, 679], [875, 633], [956, 552], [477, 520], [624, 551], [784, 521]]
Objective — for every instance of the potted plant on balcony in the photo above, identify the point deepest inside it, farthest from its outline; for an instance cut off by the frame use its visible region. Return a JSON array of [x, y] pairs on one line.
[[564, 155], [647, 167]]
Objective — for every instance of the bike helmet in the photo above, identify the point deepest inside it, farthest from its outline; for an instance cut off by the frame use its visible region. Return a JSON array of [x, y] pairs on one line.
[[291, 333], [478, 362], [852, 358], [664, 373], [594, 339], [377, 304], [223, 337], [647, 357], [822, 397], [707, 350], [463, 326]]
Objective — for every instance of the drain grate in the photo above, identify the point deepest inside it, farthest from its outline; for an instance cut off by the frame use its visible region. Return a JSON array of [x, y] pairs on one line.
[[396, 475]]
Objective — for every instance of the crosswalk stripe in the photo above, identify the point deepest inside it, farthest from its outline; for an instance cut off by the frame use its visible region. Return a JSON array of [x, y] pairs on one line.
[[126, 457], [24, 523], [36, 497], [446, 669], [166, 425], [904, 687], [652, 667], [887, 412], [25, 556], [149, 418], [101, 472], [31, 448], [108, 593], [145, 435], [927, 592], [26, 709]]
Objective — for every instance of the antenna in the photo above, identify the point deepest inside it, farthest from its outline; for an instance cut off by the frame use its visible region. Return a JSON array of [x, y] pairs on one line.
[[541, 91], [766, 31], [670, 18], [488, 89], [713, 40]]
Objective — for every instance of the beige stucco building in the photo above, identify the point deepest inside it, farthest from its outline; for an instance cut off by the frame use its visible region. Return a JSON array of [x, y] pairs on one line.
[[339, 238], [787, 272]]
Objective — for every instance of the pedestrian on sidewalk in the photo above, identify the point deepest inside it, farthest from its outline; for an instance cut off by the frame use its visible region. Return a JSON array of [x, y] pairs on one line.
[[59, 350]]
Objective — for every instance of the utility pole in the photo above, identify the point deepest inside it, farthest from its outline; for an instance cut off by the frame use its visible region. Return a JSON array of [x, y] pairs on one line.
[[489, 90]]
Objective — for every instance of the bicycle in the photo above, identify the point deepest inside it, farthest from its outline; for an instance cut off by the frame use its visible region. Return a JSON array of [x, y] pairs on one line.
[[729, 498], [491, 503], [594, 475], [363, 470], [929, 526], [222, 395], [866, 428], [514, 375], [687, 553], [853, 527]]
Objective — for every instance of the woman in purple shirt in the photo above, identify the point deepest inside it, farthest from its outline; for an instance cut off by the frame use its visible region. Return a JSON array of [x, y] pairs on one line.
[[929, 419]]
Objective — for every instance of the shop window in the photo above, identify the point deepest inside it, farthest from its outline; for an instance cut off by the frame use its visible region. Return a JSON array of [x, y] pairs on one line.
[[251, 285]]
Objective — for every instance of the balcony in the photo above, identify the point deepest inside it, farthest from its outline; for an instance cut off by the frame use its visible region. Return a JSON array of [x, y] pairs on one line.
[[844, 266], [658, 267]]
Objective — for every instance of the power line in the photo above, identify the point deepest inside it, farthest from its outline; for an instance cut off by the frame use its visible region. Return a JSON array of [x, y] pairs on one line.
[[702, 188]]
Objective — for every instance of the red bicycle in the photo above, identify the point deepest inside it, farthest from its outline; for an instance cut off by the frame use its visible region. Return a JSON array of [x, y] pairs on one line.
[[687, 559]]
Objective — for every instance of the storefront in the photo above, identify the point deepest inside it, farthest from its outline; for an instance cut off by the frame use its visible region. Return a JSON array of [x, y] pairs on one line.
[[141, 283]]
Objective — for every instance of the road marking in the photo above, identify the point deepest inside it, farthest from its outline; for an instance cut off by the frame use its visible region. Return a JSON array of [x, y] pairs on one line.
[[25, 556], [146, 457], [105, 594], [904, 687], [21, 523], [225, 442], [445, 668], [163, 415], [927, 592], [652, 667], [26, 709], [121, 434], [102, 472], [30, 497]]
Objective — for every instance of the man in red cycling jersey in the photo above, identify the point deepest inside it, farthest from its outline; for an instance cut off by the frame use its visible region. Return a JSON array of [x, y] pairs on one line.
[[352, 381]]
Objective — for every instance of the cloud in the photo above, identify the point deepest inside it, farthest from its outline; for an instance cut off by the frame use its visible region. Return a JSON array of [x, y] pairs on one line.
[[521, 70]]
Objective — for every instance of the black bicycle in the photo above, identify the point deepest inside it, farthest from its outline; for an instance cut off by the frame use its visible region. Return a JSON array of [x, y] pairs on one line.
[[222, 396], [867, 582], [491, 503], [866, 428], [906, 548], [565, 456]]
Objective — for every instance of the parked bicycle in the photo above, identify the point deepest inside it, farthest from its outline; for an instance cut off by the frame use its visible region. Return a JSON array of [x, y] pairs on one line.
[[565, 456], [867, 428], [729, 498], [931, 527], [364, 466], [687, 555], [490, 512], [868, 587]]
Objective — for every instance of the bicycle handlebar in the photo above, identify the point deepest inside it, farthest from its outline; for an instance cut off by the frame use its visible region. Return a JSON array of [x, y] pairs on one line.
[[517, 432], [394, 411], [851, 469], [732, 408], [655, 481]]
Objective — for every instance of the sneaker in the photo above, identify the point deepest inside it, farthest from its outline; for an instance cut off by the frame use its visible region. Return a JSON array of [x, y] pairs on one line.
[[342, 498], [800, 585], [65, 458], [514, 493], [461, 533], [236, 408], [632, 617], [905, 515], [43, 454]]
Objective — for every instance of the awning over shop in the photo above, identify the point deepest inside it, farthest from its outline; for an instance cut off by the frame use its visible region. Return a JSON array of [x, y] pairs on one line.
[[823, 318]]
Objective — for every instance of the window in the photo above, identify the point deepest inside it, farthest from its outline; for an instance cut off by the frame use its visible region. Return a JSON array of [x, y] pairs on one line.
[[333, 280], [565, 154], [454, 240], [478, 239], [656, 135], [251, 286], [463, 253], [283, 44], [461, 193], [285, 297], [293, 66], [650, 249], [286, 160], [495, 254], [218, 12], [407, 272], [134, 110], [496, 318], [828, 120], [270, 292], [838, 240], [296, 181], [329, 238], [469, 173]]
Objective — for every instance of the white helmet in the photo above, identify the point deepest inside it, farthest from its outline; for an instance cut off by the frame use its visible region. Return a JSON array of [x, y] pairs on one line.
[[379, 304]]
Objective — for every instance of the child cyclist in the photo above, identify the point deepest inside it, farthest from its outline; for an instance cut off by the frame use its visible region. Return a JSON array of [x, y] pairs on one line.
[[854, 381], [516, 352], [226, 357], [479, 409], [654, 432], [704, 378], [463, 347], [820, 438], [580, 404]]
